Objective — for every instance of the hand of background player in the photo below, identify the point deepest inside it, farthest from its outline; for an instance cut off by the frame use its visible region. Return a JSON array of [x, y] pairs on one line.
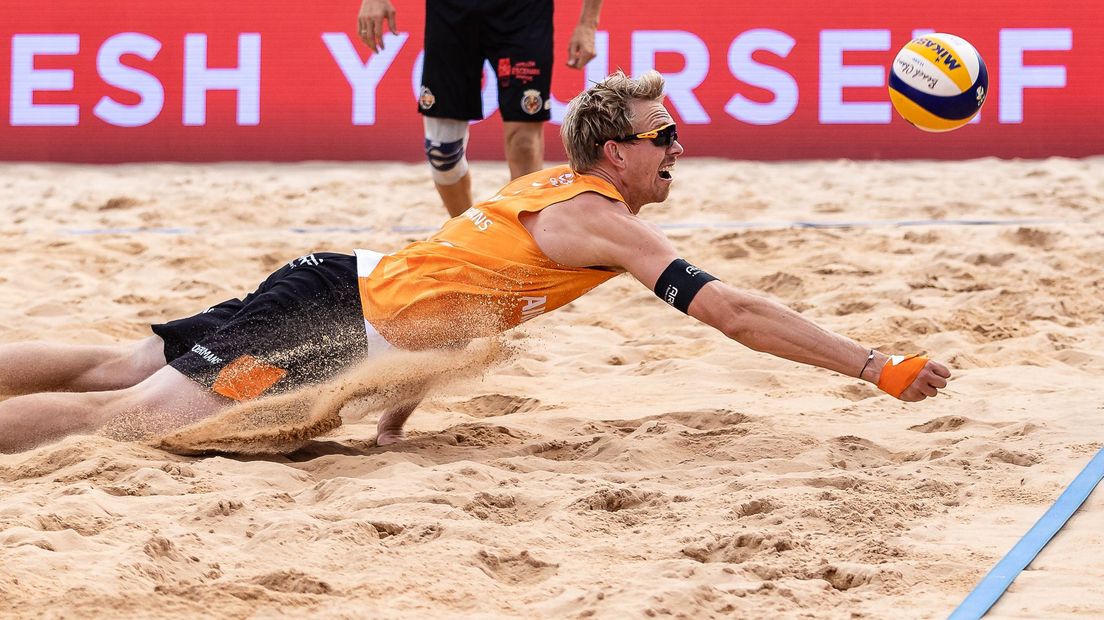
[[580, 50], [370, 22]]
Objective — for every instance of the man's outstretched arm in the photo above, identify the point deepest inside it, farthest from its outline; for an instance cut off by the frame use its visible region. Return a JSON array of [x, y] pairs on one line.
[[770, 327], [590, 230]]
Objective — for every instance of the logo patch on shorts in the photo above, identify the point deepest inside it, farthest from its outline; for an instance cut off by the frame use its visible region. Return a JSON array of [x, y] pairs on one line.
[[246, 378], [309, 259], [531, 101], [426, 99], [206, 353]]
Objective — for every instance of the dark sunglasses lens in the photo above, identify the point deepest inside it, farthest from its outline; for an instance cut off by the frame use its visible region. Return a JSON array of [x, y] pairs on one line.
[[666, 136]]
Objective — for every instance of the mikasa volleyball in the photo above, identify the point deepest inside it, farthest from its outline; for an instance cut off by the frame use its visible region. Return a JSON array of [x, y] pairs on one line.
[[938, 82]]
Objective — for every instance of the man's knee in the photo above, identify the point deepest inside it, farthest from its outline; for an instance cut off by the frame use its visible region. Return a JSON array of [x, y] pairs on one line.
[[165, 401], [445, 142], [125, 365], [147, 356], [524, 145]]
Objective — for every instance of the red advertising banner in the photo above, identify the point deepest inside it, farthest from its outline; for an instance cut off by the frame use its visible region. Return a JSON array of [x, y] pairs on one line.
[[207, 80]]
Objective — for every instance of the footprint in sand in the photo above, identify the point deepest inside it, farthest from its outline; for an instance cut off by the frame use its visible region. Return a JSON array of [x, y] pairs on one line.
[[133, 248], [395, 535], [560, 450], [755, 507], [614, 500], [853, 307], [739, 548], [925, 238], [857, 392], [292, 582], [942, 424], [781, 284], [85, 525], [160, 547], [520, 568], [118, 202], [704, 420], [1032, 237], [850, 452], [489, 405], [845, 576], [386, 529], [730, 246], [501, 508], [223, 508], [1021, 459], [483, 436]]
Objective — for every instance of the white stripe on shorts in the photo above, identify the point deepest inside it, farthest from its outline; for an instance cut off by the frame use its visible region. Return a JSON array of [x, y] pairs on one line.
[[366, 263]]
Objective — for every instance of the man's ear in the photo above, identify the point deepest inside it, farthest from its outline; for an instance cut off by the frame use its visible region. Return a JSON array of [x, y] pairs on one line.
[[614, 153]]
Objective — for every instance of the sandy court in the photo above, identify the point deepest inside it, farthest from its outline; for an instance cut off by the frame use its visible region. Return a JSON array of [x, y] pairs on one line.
[[628, 462]]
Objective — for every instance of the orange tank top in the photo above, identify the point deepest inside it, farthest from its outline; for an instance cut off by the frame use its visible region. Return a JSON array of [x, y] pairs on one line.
[[482, 273]]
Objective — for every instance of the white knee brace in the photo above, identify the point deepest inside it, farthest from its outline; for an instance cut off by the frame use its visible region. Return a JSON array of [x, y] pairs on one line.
[[445, 141]]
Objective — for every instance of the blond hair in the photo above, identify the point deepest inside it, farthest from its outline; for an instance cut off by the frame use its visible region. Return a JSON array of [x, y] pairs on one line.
[[601, 113]]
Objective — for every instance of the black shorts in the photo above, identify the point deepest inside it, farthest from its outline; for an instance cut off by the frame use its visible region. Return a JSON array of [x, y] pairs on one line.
[[515, 35], [302, 325]]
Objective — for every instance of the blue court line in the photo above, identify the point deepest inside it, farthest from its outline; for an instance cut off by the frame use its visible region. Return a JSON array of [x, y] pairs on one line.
[[722, 225], [989, 589]]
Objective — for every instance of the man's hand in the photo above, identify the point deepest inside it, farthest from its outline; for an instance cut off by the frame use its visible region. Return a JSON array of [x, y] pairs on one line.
[[932, 378], [370, 22], [580, 50]]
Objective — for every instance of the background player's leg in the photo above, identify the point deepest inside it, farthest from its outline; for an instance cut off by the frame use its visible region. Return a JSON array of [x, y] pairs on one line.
[[456, 197], [450, 96], [445, 142], [27, 367], [524, 146]]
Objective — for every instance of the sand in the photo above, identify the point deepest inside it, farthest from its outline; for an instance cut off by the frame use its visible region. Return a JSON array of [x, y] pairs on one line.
[[624, 461]]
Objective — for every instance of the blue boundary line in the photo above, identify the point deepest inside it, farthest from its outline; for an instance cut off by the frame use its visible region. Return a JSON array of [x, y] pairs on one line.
[[723, 225], [989, 589]]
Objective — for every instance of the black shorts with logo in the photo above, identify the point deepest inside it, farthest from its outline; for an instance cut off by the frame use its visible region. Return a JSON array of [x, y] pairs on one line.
[[302, 325], [514, 35]]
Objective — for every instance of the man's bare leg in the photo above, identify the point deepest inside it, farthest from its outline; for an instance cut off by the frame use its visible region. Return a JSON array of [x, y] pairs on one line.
[[458, 196], [27, 421], [29, 367], [524, 146], [165, 401], [389, 429]]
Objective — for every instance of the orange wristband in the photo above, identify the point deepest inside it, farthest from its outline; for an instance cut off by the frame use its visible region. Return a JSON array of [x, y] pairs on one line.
[[899, 373]]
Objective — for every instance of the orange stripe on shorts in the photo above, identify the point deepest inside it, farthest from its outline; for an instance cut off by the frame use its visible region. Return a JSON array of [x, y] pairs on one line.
[[246, 378]]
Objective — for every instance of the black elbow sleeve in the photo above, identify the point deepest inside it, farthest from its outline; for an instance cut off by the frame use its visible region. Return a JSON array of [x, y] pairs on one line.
[[680, 282]]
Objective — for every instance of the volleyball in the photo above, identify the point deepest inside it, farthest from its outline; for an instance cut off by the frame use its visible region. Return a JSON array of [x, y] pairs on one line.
[[938, 82]]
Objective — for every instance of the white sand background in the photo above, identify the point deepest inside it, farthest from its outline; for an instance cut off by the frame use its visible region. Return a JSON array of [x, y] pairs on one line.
[[628, 462]]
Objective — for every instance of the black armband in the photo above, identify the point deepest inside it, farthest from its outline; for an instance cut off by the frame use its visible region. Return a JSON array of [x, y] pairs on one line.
[[680, 282]]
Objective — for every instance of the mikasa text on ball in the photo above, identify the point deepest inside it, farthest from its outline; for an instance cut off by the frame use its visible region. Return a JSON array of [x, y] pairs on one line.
[[938, 82]]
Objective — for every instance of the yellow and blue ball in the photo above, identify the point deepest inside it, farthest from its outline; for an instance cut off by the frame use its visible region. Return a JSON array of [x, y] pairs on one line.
[[938, 82]]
